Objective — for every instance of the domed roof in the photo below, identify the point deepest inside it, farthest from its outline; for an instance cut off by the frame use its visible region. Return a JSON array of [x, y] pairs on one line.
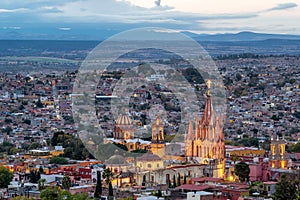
[[123, 120], [116, 160], [149, 156]]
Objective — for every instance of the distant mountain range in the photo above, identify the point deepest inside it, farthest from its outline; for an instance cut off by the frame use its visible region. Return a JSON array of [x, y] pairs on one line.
[[18, 44], [102, 34], [241, 36]]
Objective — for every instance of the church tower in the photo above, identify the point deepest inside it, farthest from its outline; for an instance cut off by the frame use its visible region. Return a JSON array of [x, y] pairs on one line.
[[277, 151], [205, 142], [158, 137]]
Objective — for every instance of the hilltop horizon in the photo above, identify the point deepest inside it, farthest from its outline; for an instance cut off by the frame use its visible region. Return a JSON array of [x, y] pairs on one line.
[[104, 34]]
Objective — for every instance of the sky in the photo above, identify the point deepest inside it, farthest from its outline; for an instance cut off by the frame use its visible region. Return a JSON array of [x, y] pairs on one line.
[[91, 17]]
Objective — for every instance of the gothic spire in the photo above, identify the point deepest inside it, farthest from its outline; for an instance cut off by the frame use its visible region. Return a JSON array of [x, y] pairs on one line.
[[208, 110]]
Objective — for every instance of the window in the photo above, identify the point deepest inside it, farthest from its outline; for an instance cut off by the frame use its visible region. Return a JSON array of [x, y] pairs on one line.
[[149, 165]]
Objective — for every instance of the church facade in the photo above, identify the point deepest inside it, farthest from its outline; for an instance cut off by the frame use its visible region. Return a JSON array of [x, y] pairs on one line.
[[204, 142]]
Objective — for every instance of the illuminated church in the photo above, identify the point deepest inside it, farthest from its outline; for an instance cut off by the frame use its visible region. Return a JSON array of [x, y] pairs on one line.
[[204, 142], [124, 128], [277, 153]]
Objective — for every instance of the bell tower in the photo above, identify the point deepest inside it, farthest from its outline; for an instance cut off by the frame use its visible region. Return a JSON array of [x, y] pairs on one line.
[[158, 137], [277, 153]]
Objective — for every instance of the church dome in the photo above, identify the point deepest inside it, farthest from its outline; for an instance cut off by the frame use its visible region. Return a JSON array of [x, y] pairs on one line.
[[116, 160], [149, 156], [123, 120]]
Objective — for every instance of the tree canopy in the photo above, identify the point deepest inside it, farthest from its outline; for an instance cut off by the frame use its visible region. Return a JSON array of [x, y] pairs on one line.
[[34, 176], [98, 189], [66, 183], [242, 170], [107, 175], [296, 148], [74, 148], [288, 187], [58, 160], [5, 177], [51, 193]]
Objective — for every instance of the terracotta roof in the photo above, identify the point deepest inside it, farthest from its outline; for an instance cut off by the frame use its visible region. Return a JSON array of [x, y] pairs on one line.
[[297, 156], [203, 179], [193, 187], [149, 156]]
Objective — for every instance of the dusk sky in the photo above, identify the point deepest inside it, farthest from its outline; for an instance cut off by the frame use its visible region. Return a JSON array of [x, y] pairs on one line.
[[200, 16]]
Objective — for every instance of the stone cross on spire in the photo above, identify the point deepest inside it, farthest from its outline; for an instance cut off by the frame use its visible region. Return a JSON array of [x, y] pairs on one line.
[[208, 83]]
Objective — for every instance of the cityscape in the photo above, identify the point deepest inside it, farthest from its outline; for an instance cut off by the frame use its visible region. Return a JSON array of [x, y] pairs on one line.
[[174, 113]]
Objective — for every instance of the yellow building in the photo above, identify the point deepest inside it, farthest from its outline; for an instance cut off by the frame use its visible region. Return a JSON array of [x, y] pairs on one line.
[[158, 138], [149, 162]]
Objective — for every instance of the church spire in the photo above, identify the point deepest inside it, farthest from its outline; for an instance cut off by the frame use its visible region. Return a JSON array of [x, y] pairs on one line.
[[208, 83], [191, 135], [208, 111]]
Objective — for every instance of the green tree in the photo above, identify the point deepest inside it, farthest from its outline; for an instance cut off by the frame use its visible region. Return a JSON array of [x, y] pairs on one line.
[[8, 120], [287, 187], [64, 195], [41, 170], [98, 190], [41, 184], [66, 183], [55, 193], [21, 198], [5, 177], [296, 148], [107, 175], [7, 147], [110, 191], [158, 193], [256, 187], [50, 193], [249, 142], [27, 121], [80, 196], [58, 160], [34, 176], [242, 170], [34, 145]]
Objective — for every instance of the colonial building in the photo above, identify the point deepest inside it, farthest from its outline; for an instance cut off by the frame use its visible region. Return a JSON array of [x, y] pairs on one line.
[[277, 151], [158, 138], [205, 139]]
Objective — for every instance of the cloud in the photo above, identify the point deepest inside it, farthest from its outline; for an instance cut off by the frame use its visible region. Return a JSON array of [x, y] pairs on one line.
[[283, 6], [65, 29], [12, 27], [13, 10], [124, 14]]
